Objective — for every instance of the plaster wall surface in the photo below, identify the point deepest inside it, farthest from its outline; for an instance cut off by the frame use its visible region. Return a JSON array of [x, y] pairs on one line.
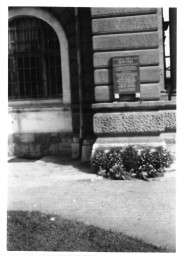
[[37, 120]]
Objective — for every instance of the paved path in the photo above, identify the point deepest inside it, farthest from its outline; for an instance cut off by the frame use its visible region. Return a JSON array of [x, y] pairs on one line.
[[145, 210]]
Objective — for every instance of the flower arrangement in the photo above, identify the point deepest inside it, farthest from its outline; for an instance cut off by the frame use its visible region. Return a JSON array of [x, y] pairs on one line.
[[127, 163]]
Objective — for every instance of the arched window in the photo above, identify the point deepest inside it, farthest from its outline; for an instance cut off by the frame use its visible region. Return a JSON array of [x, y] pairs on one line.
[[34, 60]]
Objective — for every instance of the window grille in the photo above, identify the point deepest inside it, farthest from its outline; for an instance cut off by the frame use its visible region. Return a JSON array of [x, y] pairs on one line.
[[34, 63]]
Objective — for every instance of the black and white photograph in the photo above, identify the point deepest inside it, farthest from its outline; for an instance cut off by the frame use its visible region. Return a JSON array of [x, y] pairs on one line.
[[91, 127]]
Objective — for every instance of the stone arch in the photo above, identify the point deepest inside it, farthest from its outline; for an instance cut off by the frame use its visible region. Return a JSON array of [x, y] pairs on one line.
[[64, 50]]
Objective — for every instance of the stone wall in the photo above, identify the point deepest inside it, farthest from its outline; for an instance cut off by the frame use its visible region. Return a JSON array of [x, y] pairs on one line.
[[38, 123], [37, 131], [122, 32], [104, 33], [127, 32], [36, 145]]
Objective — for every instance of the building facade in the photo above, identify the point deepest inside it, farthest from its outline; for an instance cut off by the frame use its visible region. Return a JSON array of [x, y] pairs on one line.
[[61, 84]]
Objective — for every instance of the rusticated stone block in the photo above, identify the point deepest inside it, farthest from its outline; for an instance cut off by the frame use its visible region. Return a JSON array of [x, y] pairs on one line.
[[147, 74], [147, 92], [103, 93], [54, 148], [35, 150], [169, 120], [25, 149], [102, 12], [134, 123], [126, 41], [125, 24], [27, 137], [54, 138], [103, 76], [17, 150], [65, 148], [124, 123], [150, 91], [42, 138], [66, 140], [146, 57]]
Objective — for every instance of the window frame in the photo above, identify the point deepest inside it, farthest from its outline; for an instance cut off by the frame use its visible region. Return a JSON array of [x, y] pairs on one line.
[[36, 58], [64, 52]]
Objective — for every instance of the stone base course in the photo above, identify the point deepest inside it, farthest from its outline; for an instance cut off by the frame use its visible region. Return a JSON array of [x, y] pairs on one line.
[[134, 123], [36, 145]]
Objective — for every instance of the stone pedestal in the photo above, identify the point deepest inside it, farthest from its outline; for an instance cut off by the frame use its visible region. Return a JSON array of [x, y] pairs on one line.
[[139, 124], [140, 142]]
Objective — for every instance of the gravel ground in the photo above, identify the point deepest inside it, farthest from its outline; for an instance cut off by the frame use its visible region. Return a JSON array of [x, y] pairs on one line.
[[140, 209]]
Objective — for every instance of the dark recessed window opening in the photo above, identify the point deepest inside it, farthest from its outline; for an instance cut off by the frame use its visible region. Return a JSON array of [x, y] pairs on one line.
[[34, 63]]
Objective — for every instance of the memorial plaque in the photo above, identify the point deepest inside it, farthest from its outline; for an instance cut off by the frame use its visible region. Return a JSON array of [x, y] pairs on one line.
[[126, 76]]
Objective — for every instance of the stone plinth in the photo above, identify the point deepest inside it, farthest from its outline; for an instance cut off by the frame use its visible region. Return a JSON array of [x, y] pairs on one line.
[[140, 142], [140, 128]]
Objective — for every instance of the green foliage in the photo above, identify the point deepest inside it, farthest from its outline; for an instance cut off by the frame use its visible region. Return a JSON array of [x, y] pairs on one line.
[[126, 163], [104, 159]]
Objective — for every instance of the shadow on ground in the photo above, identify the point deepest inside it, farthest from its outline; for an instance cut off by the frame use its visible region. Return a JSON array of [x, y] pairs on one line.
[[52, 185], [52, 233], [58, 160]]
